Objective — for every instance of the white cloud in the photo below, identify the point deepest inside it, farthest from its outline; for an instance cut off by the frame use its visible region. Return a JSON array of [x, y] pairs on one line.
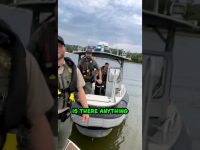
[[137, 19], [87, 6], [129, 3], [130, 47], [64, 16], [60, 11], [73, 38], [67, 35], [102, 43], [112, 21]]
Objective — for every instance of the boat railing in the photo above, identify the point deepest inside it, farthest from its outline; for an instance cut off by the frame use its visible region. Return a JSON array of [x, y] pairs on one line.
[[114, 85]]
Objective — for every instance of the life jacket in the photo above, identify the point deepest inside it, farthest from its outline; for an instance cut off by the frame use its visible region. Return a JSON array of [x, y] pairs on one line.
[[104, 73], [13, 112], [87, 69], [67, 87]]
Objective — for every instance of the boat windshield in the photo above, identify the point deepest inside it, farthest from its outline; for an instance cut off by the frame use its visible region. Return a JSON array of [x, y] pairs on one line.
[[114, 73]]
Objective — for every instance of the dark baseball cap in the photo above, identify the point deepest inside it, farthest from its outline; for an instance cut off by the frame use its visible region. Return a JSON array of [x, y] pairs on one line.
[[61, 40], [88, 51]]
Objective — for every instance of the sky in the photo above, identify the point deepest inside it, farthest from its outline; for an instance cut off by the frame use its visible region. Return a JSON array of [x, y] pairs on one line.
[[87, 22]]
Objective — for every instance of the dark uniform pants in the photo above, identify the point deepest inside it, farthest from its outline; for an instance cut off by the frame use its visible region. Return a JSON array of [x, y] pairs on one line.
[[64, 132], [88, 88]]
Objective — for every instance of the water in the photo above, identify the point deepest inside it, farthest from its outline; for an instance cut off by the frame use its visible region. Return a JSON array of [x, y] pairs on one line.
[[127, 136]]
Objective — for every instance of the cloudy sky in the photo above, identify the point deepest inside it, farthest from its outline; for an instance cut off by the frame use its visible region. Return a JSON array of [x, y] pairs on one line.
[[117, 22]]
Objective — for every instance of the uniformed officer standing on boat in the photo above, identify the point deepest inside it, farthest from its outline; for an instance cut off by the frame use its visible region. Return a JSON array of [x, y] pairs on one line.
[[70, 84], [88, 67]]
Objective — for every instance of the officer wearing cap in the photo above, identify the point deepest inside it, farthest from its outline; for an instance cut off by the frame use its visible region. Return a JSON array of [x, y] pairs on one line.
[[70, 81], [88, 67], [61, 40]]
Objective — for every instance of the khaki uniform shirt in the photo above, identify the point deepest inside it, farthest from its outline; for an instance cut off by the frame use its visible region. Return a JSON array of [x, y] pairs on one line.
[[80, 80]]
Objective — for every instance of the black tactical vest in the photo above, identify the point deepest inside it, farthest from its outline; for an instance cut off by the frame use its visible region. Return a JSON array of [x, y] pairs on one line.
[[13, 112], [67, 84], [104, 73], [87, 69]]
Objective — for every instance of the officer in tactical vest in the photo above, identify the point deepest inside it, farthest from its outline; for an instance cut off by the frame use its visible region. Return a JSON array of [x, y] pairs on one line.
[[88, 67], [70, 85], [24, 95], [104, 70]]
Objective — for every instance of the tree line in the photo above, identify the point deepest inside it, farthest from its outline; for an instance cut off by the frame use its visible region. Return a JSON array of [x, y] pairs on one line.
[[133, 57]]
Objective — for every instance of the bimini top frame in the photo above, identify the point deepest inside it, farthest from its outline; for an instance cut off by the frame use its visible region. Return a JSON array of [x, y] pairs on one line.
[[160, 21], [38, 7], [156, 22], [105, 55]]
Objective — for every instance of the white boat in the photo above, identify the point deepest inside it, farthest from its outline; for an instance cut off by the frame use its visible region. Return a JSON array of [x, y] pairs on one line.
[[116, 96], [69, 145]]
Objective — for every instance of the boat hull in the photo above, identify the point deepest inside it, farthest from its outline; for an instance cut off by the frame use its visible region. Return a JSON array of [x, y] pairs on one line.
[[100, 125], [93, 132]]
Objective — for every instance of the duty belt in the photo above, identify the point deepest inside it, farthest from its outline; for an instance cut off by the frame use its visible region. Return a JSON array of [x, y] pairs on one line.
[[64, 114]]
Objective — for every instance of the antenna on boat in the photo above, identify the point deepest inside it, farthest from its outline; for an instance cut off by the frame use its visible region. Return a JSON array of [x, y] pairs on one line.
[[88, 41]]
